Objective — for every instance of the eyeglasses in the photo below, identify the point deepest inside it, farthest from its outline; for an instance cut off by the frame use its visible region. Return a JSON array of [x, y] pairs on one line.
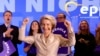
[[59, 17]]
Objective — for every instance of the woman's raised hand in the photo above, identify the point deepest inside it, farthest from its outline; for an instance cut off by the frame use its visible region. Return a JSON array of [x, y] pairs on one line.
[[25, 21]]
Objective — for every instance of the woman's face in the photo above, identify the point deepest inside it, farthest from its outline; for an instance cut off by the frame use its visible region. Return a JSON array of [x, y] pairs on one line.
[[84, 25], [46, 26], [35, 26]]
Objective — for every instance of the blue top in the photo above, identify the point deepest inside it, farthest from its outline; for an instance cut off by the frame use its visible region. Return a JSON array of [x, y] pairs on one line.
[[32, 49]]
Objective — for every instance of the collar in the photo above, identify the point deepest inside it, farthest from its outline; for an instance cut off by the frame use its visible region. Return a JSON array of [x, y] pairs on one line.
[[7, 25], [48, 40]]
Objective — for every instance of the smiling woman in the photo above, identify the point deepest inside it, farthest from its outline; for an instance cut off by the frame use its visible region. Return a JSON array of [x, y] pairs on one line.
[[47, 39], [85, 40]]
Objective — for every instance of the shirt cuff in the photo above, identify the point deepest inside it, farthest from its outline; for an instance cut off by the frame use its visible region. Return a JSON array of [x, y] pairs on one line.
[[4, 35]]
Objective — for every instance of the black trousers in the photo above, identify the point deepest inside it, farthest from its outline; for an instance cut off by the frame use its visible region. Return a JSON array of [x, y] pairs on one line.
[[28, 54], [15, 54]]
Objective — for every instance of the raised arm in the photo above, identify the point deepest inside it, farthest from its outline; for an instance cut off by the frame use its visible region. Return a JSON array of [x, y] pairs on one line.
[[71, 36], [98, 35], [22, 37]]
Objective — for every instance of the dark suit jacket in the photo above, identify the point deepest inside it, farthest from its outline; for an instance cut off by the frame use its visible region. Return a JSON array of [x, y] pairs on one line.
[[1, 44], [14, 33]]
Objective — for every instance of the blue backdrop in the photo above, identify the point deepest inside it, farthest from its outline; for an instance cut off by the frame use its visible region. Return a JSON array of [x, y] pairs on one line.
[[34, 9]]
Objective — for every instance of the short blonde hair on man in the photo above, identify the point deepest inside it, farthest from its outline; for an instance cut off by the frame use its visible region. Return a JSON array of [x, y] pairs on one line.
[[49, 17]]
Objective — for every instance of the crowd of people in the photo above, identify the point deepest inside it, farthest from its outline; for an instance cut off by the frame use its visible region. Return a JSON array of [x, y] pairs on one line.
[[44, 39]]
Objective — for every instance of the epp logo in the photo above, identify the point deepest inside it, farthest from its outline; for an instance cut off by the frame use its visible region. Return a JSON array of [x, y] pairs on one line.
[[84, 9]]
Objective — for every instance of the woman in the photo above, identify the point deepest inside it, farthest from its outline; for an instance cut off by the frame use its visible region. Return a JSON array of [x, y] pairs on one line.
[[47, 43], [34, 29], [85, 41]]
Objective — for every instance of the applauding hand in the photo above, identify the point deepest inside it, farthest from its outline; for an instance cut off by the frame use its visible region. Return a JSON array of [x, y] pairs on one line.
[[8, 32]]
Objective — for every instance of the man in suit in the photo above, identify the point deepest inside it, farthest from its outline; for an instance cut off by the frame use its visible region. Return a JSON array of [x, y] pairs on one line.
[[9, 32]]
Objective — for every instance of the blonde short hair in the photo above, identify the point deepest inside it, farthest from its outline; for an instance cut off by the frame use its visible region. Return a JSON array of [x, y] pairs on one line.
[[49, 17]]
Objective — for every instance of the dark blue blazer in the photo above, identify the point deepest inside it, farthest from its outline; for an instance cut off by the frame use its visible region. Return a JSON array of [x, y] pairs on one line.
[[1, 43], [14, 40]]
